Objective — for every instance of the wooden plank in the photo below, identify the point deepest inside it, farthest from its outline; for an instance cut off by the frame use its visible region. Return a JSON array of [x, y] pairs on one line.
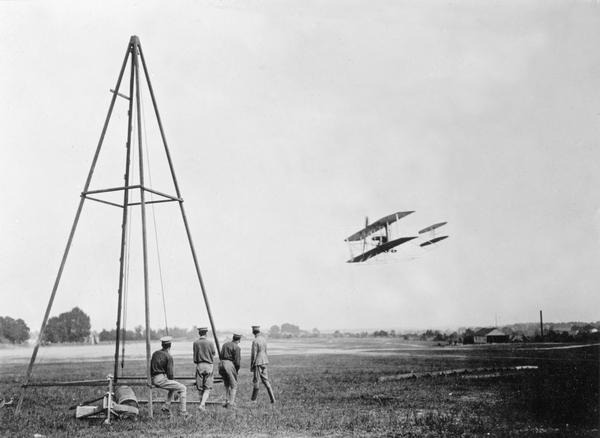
[[86, 411]]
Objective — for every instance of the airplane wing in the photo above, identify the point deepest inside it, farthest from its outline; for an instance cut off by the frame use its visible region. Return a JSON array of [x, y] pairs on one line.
[[432, 227], [377, 225], [381, 248], [434, 240]]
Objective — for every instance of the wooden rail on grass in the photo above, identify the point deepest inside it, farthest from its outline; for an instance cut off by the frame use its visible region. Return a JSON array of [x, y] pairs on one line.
[[131, 380]]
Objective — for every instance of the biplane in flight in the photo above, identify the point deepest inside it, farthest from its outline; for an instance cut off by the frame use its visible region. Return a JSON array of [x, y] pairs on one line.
[[377, 237]]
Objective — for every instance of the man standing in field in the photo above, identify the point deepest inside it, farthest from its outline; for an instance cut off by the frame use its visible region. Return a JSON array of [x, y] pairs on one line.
[[204, 352], [229, 367], [161, 370], [258, 364]]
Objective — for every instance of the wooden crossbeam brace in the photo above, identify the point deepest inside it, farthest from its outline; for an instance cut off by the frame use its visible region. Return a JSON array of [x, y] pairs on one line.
[[120, 94]]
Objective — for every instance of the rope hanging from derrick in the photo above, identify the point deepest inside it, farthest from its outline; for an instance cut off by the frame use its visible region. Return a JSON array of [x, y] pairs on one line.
[[160, 273], [145, 145]]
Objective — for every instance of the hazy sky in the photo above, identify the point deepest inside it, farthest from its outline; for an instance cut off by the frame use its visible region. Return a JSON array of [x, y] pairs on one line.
[[288, 123]]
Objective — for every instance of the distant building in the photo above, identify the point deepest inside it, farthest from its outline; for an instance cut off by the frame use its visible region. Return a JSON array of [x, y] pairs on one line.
[[92, 338], [496, 336], [480, 336], [486, 335]]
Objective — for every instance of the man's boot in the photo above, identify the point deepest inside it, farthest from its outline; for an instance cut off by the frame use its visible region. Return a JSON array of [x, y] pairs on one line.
[[270, 392], [227, 397], [254, 394], [232, 393]]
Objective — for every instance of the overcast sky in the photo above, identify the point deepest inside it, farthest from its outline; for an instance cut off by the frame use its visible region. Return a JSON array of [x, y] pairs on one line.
[[288, 123]]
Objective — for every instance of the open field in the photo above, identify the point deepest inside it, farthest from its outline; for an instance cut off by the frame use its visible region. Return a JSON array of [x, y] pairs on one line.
[[331, 387]]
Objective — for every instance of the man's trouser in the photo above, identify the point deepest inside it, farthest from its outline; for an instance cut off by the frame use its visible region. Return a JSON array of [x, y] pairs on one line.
[[229, 373], [260, 372], [204, 376], [161, 381]]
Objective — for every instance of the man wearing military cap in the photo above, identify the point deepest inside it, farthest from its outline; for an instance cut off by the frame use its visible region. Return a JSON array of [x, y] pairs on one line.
[[204, 352], [161, 370], [258, 364], [229, 367]]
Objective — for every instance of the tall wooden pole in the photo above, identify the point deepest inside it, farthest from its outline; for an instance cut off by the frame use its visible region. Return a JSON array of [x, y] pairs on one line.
[[136, 44], [180, 200], [70, 239], [124, 222]]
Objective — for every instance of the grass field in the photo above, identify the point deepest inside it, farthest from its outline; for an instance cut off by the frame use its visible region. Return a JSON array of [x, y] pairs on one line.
[[321, 393]]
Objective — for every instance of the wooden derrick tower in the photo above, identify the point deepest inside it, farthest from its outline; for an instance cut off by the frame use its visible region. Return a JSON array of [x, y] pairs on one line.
[[133, 57]]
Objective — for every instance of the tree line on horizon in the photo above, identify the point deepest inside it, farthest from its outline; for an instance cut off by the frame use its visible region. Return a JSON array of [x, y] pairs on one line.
[[139, 333], [74, 327]]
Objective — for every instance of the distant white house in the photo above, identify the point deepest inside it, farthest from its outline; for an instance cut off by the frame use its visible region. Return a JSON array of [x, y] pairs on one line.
[[92, 338]]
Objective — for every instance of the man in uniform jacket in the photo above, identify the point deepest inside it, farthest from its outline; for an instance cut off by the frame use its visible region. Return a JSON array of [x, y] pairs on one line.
[[258, 364], [229, 367], [204, 352], [161, 371]]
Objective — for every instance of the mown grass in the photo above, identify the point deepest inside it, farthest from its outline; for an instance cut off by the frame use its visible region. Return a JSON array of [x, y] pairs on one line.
[[340, 395]]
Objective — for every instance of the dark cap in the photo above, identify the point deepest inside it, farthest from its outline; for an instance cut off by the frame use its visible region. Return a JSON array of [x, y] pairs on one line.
[[237, 337], [202, 329]]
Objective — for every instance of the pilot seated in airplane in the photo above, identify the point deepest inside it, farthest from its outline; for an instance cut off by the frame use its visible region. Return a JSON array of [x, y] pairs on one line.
[[380, 239]]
